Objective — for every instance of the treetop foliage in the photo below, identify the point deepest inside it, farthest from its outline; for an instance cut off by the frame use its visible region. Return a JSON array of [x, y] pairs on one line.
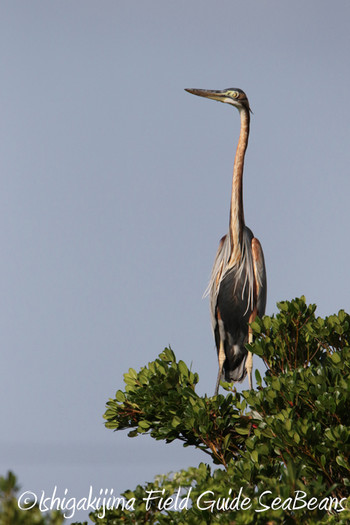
[[279, 454], [30, 514], [288, 439]]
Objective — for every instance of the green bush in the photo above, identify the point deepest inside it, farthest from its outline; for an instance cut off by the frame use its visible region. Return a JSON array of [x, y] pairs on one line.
[[280, 453], [283, 449], [12, 514]]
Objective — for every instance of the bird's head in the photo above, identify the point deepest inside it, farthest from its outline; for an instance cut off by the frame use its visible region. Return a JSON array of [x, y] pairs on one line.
[[234, 96]]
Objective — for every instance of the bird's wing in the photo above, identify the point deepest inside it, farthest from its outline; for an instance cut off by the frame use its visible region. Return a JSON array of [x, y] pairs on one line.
[[214, 283], [259, 276]]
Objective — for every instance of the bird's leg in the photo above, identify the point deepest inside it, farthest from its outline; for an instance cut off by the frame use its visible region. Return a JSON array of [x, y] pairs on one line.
[[249, 361], [221, 358]]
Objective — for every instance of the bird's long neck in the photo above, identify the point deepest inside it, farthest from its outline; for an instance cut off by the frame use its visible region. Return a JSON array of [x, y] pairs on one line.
[[236, 211]]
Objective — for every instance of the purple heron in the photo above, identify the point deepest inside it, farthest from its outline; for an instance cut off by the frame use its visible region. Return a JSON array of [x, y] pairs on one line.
[[237, 285]]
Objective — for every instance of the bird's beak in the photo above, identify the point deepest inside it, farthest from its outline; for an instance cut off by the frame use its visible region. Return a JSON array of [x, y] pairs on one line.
[[208, 93]]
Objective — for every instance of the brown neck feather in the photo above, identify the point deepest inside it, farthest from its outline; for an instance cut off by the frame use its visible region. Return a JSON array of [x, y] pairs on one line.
[[236, 211]]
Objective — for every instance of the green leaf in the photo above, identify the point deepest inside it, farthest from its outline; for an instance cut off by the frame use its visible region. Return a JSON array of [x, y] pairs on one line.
[[258, 377], [341, 461], [336, 358], [296, 437], [120, 396], [276, 384], [144, 424], [176, 421], [183, 368], [255, 456], [255, 327], [242, 431]]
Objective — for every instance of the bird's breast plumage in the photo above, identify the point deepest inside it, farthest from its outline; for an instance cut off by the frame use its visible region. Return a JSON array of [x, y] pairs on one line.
[[233, 300]]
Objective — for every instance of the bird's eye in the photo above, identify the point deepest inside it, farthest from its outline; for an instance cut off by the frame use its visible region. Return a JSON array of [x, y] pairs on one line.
[[233, 94]]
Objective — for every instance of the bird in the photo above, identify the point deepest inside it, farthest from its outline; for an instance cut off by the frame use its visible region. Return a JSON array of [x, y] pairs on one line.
[[237, 286]]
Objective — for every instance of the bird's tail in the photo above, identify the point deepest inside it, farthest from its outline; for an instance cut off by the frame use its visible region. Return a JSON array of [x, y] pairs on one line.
[[234, 365]]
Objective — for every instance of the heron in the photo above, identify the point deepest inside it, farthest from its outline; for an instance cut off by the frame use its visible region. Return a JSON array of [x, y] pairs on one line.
[[237, 285]]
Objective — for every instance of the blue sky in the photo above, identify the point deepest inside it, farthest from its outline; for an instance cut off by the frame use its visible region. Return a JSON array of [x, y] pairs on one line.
[[115, 190]]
